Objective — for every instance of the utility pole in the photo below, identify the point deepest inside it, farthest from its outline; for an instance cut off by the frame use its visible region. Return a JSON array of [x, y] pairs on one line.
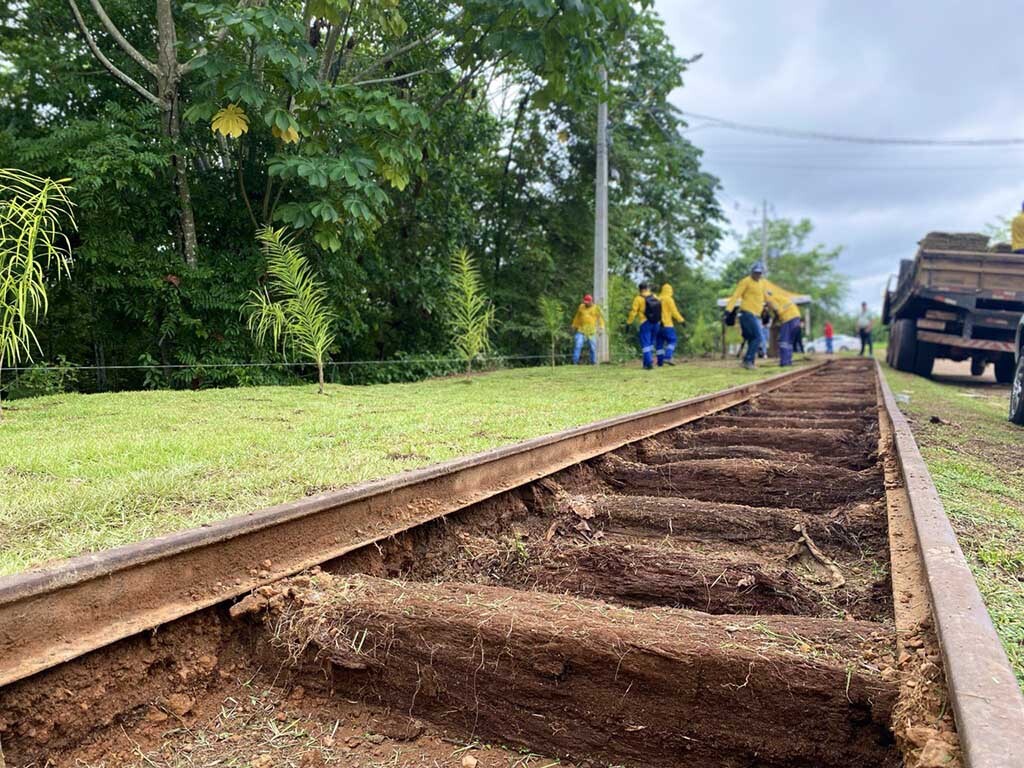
[[764, 233], [601, 222]]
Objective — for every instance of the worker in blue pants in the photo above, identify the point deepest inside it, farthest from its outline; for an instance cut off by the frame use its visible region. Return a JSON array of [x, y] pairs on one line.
[[646, 308], [748, 300]]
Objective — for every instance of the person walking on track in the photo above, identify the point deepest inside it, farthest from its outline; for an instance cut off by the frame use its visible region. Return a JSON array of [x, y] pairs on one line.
[[829, 333], [647, 309], [667, 334], [781, 303], [587, 321], [864, 326], [748, 300]]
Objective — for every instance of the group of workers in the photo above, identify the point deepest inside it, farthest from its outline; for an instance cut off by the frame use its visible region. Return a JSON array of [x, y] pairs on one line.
[[753, 297], [657, 314]]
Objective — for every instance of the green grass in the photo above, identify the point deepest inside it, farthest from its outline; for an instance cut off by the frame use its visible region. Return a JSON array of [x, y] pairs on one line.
[[977, 463], [87, 472]]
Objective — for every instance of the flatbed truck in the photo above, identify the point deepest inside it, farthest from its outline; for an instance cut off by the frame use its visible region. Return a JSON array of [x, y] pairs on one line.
[[956, 299]]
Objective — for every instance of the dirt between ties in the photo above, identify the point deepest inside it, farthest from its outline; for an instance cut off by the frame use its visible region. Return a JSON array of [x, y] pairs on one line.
[[579, 678]]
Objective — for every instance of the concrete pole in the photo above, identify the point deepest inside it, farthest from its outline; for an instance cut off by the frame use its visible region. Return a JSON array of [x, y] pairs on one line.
[[601, 224]]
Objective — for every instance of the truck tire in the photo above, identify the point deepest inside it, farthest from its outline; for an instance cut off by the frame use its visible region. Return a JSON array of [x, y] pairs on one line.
[[903, 355], [924, 359], [1004, 368], [978, 366], [1017, 394]]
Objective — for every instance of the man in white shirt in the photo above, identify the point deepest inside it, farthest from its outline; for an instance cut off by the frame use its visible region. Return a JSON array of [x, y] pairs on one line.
[[864, 325]]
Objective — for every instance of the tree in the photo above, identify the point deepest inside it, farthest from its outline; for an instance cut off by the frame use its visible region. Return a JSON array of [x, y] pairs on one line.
[[793, 263], [33, 211], [470, 312], [292, 309]]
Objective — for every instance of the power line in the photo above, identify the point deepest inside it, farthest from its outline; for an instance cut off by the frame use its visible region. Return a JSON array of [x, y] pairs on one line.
[[789, 133]]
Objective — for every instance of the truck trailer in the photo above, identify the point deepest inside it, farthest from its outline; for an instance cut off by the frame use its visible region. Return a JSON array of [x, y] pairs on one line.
[[957, 299]]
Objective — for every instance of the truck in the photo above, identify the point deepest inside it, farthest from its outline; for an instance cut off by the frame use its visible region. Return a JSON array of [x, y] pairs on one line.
[[957, 299]]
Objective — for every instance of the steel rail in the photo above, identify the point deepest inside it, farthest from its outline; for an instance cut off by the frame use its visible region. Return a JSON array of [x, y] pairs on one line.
[[55, 614], [987, 702]]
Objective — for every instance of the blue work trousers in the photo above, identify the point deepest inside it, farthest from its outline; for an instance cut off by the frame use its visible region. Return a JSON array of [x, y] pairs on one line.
[[750, 327], [648, 338], [828, 344], [787, 333], [666, 343], [580, 340]]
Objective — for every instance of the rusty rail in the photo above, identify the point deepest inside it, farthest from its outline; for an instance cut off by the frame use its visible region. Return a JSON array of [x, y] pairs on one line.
[[987, 702], [52, 615]]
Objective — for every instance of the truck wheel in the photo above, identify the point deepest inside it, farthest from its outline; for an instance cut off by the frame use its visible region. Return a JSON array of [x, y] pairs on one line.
[[1017, 394], [978, 365], [906, 341], [1004, 369], [924, 359]]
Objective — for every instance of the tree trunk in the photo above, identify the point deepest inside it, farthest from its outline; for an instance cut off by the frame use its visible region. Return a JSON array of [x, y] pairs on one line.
[[320, 375], [167, 90], [1, 409]]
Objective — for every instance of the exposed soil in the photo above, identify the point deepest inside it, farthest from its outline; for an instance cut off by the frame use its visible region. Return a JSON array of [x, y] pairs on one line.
[[579, 678], [719, 596]]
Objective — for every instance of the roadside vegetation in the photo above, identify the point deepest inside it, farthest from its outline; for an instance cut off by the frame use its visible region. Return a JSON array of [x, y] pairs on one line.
[[86, 472], [974, 456]]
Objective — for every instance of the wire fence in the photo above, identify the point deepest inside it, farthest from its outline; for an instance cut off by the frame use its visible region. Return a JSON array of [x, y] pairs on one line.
[[55, 377]]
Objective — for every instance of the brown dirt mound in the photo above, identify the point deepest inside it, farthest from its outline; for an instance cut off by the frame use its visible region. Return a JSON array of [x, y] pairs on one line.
[[761, 483], [954, 241], [580, 678]]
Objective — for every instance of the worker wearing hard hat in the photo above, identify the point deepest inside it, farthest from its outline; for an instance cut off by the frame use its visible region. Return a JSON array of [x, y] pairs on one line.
[[586, 322], [667, 334], [781, 303], [1017, 232], [748, 300]]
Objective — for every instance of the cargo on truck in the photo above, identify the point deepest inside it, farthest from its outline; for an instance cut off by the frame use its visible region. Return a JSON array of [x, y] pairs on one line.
[[957, 299]]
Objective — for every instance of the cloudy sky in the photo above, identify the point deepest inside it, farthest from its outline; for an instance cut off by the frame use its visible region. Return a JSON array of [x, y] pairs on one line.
[[939, 69]]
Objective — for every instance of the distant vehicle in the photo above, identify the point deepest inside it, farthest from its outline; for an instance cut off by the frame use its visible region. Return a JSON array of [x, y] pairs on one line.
[[840, 343], [958, 299], [1017, 390]]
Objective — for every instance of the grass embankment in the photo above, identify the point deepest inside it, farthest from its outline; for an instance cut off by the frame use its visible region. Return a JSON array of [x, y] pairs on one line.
[[88, 472], [976, 458]]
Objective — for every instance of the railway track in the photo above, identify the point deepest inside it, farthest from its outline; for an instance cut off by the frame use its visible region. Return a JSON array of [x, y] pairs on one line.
[[760, 577]]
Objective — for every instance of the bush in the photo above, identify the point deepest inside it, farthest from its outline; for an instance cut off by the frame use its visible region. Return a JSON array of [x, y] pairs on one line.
[[39, 380]]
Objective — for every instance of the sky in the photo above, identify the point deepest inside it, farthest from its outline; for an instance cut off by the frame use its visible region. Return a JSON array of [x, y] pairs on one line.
[[911, 69]]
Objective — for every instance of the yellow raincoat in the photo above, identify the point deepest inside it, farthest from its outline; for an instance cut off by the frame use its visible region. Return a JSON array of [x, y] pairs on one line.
[[637, 310], [781, 302], [669, 310], [1017, 232], [749, 294], [587, 319]]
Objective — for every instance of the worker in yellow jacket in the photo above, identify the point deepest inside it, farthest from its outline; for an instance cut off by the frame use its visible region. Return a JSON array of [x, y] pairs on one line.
[[667, 333], [646, 308], [586, 322], [748, 299], [788, 315]]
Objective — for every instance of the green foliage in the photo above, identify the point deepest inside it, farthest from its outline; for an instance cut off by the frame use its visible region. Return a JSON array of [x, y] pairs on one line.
[[382, 136], [551, 319], [33, 249], [470, 312], [291, 311], [39, 380]]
